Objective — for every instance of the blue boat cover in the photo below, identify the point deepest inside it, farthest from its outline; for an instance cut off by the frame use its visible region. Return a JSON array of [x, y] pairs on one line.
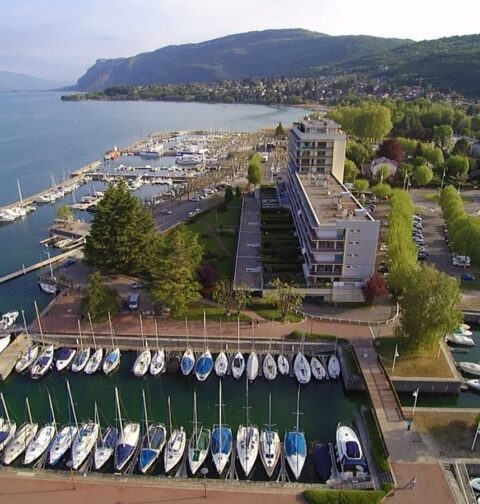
[[122, 453], [226, 445], [111, 357], [110, 438], [186, 364], [3, 435], [204, 365], [295, 443], [147, 455], [64, 353]]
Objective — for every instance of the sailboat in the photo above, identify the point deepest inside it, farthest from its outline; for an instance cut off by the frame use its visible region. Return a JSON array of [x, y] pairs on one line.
[[40, 443], [21, 439], [333, 367], [238, 362], [247, 441], [30, 354], [64, 358], [188, 359], [270, 445], [175, 446], [222, 439], [95, 360], [295, 445], [269, 367], [158, 364], [301, 367], [105, 444], [283, 363], [204, 364], [318, 369], [144, 358], [252, 365], [112, 359], [85, 441], [221, 364], [127, 440], [64, 438], [82, 356], [43, 363], [199, 443], [152, 443], [7, 427], [48, 283]]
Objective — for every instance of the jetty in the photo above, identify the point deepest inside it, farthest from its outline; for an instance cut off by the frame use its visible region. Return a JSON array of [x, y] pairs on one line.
[[9, 357]]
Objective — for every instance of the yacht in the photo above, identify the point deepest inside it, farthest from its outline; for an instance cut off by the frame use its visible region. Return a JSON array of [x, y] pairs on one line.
[[176, 444], [322, 461], [84, 442], [270, 445], [48, 283], [349, 449], [94, 362], [188, 361], [104, 447], [460, 339], [112, 358], [470, 367], [27, 358], [144, 358], [22, 438], [129, 436], [43, 363], [64, 358], [269, 367], [318, 369], [252, 365], [247, 441], [158, 364], [238, 365], [7, 427], [283, 365], [204, 366], [222, 440], [221, 364], [8, 319], [42, 439], [302, 368], [333, 367], [295, 446], [199, 443]]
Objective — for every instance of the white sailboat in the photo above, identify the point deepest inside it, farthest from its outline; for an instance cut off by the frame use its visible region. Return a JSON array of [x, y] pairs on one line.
[[199, 443], [269, 367], [82, 355], [221, 364], [295, 445], [301, 367], [43, 363], [176, 444], [48, 283], [105, 444], [158, 364], [40, 443], [238, 362], [318, 369], [29, 356], [95, 360], [283, 363], [85, 441], [270, 444], [247, 441], [252, 365], [188, 359], [333, 367], [21, 439], [65, 436], [127, 440], [153, 441], [144, 358], [112, 359], [7, 427], [222, 440]]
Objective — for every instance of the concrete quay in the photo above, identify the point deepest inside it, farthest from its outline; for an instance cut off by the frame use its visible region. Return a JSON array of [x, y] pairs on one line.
[[9, 357]]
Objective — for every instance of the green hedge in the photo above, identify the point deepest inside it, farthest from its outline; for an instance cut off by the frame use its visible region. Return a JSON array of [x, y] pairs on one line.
[[346, 497], [378, 452], [297, 336]]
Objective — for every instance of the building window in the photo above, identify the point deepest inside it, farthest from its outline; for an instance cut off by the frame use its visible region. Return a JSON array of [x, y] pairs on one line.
[[352, 255], [354, 243], [352, 266]]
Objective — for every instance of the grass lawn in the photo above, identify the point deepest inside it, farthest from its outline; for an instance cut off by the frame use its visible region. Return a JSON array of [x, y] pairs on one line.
[[213, 313], [268, 312], [297, 336], [316, 496], [436, 197], [412, 364], [351, 360]]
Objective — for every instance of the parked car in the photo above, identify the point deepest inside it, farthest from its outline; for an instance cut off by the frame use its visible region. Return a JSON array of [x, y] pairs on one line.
[[422, 256], [166, 211], [195, 198], [460, 263], [467, 277]]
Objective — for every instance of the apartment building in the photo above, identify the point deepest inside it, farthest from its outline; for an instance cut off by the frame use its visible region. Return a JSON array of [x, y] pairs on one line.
[[338, 237]]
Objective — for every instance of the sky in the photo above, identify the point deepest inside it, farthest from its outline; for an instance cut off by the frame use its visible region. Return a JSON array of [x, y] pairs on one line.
[[59, 40]]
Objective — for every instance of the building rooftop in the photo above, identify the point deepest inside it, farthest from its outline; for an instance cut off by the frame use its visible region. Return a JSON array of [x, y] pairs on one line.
[[316, 128], [330, 200]]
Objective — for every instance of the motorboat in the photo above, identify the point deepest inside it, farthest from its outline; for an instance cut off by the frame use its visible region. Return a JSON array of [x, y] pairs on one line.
[[8, 319], [173, 363], [94, 362], [64, 358], [270, 445], [475, 484], [269, 367], [349, 450], [188, 361], [81, 358], [27, 358], [111, 361], [4, 342], [158, 366], [460, 339], [295, 446], [199, 443], [464, 330], [142, 363], [43, 363], [127, 440], [248, 439], [84, 442], [204, 365], [221, 364], [45, 198], [42, 439], [322, 461], [333, 367], [318, 369], [222, 440], [470, 367], [252, 365], [474, 384], [104, 447], [238, 365], [302, 369], [176, 444], [283, 365], [7, 427]]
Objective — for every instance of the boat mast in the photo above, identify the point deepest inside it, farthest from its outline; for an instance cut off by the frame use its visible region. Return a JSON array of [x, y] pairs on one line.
[[297, 427], [220, 414], [195, 429], [50, 264], [52, 413], [26, 328], [141, 331], [71, 404], [111, 330], [91, 330], [238, 333], [119, 413], [156, 335], [19, 193], [80, 333], [186, 329], [270, 412], [39, 322], [29, 413], [205, 329], [5, 407], [170, 415], [246, 400], [95, 413], [146, 417]]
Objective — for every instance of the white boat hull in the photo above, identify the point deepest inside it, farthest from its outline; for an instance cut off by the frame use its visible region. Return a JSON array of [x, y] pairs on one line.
[[80, 360], [18, 444], [247, 447], [283, 365], [470, 367], [83, 444], [39, 443], [61, 444], [318, 369], [252, 366], [94, 362], [238, 365], [111, 361], [157, 365], [142, 364], [27, 359], [62, 364], [334, 367], [270, 447], [4, 342], [174, 449], [269, 367], [302, 369], [221, 364]]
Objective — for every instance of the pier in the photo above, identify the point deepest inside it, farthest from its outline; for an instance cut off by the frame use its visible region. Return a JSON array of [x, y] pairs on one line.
[[9, 357]]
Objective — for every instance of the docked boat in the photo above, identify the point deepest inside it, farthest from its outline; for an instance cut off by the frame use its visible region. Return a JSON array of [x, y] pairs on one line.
[[127, 440], [189, 160], [283, 365], [45, 198], [43, 363], [173, 363], [252, 365], [42, 439], [295, 446], [8, 319], [188, 361], [22, 438], [222, 439], [247, 441], [112, 358], [158, 364], [152, 443], [4, 342], [302, 369], [176, 444], [48, 282], [84, 442], [333, 367], [204, 365], [27, 358], [64, 358], [94, 362], [105, 447], [470, 367], [270, 445], [269, 367], [318, 369], [221, 364], [7, 427], [464, 330], [64, 438], [322, 461], [199, 443], [144, 358], [475, 484], [80, 360], [473, 384], [460, 339], [349, 450], [238, 365]]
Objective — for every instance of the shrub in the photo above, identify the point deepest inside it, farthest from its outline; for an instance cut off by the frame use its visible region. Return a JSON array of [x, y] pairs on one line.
[[314, 496], [297, 336]]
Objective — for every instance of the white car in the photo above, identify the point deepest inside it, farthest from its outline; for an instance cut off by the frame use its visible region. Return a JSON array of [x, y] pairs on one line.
[[166, 211], [461, 261], [195, 198]]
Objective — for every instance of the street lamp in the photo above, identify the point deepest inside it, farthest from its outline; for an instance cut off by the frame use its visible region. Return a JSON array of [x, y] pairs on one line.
[[204, 471], [415, 394]]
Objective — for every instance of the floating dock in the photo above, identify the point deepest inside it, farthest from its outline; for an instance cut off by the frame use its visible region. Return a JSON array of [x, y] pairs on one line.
[[9, 357]]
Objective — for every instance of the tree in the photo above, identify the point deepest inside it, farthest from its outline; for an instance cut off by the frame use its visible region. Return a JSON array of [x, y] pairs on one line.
[[391, 149], [279, 131], [429, 307], [457, 166], [461, 147], [383, 173], [358, 153], [207, 275], [442, 135], [422, 175], [238, 192], [382, 190], [99, 300], [284, 297], [243, 296], [64, 213], [228, 194], [360, 185], [223, 294], [122, 233], [173, 270], [255, 172], [350, 172], [372, 122], [375, 288]]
